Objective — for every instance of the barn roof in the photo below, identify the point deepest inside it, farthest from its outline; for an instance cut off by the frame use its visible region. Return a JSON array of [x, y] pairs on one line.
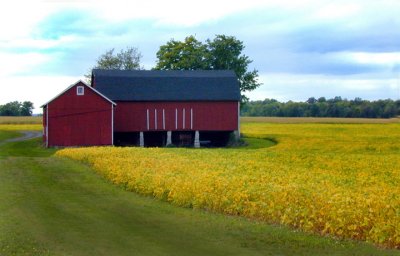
[[167, 85], [72, 85]]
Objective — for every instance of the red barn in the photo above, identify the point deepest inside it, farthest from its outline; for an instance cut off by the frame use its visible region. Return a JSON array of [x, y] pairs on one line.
[[79, 116], [157, 108]]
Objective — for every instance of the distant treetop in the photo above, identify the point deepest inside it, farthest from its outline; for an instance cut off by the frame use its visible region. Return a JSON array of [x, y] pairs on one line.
[[16, 108], [128, 59], [221, 53]]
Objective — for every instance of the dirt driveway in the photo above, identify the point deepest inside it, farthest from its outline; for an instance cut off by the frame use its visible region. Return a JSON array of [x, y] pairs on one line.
[[26, 135]]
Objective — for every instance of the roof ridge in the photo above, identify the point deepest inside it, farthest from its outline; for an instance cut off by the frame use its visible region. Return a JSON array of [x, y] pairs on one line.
[[164, 73]]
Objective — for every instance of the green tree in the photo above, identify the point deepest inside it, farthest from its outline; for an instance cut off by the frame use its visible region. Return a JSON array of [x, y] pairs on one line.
[[190, 54], [16, 108], [389, 109], [335, 107], [128, 59], [312, 100], [221, 53], [26, 108], [225, 52], [10, 109]]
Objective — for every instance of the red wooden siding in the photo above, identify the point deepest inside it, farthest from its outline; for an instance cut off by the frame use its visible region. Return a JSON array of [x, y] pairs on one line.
[[78, 120], [172, 116]]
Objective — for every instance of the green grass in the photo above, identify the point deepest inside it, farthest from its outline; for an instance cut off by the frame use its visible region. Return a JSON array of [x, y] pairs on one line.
[[256, 143], [53, 206], [30, 148], [8, 135]]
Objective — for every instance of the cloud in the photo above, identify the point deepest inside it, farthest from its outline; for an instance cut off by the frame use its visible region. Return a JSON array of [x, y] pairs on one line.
[[68, 22], [37, 89], [336, 11], [375, 37], [178, 13], [280, 61], [296, 38], [285, 87], [384, 58], [13, 63], [18, 18]]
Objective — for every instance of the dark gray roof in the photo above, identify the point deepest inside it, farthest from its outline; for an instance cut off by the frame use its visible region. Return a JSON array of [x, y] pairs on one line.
[[167, 85]]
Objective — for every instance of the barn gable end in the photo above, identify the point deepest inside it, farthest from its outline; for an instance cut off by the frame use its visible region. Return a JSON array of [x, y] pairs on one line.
[[79, 116]]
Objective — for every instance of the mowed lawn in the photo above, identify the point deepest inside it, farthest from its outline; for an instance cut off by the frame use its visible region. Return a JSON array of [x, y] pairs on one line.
[[53, 206]]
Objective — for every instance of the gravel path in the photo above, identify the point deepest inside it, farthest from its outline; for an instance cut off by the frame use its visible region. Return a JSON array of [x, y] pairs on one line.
[[26, 135]]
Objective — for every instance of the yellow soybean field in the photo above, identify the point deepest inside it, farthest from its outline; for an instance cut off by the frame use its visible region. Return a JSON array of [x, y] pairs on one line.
[[20, 120], [336, 179]]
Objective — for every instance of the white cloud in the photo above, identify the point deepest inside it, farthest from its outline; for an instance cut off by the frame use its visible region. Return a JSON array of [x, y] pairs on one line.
[[389, 58], [174, 12], [36, 43], [285, 87], [37, 89], [337, 10], [12, 63], [19, 17]]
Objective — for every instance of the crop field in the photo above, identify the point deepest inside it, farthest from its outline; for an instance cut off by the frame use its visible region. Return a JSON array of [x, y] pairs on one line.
[[321, 120], [20, 123], [20, 119], [341, 180]]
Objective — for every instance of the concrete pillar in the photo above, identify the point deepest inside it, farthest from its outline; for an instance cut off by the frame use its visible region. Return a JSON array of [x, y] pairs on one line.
[[236, 134], [196, 139], [141, 139], [169, 139]]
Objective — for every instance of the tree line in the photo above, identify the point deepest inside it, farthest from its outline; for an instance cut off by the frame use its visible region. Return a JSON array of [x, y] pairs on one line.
[[322, 107], [16, 108]]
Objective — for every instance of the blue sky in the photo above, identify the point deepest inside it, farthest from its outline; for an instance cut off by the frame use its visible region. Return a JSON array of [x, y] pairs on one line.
[[301, 48]]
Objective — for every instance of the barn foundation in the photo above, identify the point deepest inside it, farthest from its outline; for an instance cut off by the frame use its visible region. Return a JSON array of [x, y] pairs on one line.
[[169, 138], [197, 139], [141, 139]]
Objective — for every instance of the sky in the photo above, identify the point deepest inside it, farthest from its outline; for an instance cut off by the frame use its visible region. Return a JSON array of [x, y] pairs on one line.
[[301, 49]]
